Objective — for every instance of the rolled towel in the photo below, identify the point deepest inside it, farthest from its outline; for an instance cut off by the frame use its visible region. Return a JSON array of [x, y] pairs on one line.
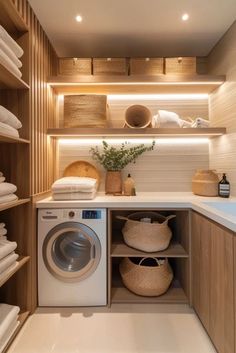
[[6, 247], [74, 184], [2, 225], [9, 333], [8, 130], [7, 188], [8, 261], [8, 315], [6, 61], [7, 50], [9, 118], [3, 231], [200, 122], [74, 196], [8, 198], [11, 42]]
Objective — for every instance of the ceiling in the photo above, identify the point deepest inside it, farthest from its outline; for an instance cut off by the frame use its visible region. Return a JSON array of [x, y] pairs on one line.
[[124, 28]]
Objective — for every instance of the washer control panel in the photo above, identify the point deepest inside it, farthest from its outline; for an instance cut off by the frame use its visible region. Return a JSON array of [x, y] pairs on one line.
[[72, 214], [91, 214]]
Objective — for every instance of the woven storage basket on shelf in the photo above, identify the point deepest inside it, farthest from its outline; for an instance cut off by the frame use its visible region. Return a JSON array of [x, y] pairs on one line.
[[75, 66], [181, 65], [146, 66], [110, 66], [144, 280], [144, 236], [85, 110]]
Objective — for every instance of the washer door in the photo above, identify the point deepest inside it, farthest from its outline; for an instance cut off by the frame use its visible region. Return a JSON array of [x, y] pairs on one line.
[[71, 251]]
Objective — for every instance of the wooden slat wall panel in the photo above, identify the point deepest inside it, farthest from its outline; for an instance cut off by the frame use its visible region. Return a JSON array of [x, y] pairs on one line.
[[222, 106]]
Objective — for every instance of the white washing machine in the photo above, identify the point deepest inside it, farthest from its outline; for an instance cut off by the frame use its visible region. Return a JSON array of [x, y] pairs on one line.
[[72, 257]]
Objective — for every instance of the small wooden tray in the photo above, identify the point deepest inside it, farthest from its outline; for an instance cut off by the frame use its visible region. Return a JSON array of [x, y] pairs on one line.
[[82, 169]]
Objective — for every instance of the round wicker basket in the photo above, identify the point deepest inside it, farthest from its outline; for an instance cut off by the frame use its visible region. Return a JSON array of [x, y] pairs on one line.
[[151, 280]]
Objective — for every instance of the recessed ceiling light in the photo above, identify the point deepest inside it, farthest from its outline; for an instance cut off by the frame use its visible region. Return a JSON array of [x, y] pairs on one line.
[[79, 18], [185, 17]]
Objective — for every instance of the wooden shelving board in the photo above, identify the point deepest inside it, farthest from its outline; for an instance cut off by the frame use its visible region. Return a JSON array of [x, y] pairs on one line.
[[21, 262], [9, 80], [10, 17], [120, 249], [134, 85], [6, 206], [11, 139], [148, 132], [174, 295], [22, 318]]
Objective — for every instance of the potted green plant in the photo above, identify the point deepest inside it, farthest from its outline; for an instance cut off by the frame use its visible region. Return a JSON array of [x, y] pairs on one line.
[[114, 159]]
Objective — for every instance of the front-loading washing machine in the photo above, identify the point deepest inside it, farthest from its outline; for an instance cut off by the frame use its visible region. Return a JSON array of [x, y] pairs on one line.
[[72, 257]]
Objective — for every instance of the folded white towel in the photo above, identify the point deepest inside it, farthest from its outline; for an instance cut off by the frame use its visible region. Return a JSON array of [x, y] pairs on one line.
[[11, 42], [74, 184], [8, 198], [7, 50], [6, 247], [74, 196], [8, 261], [7, 188], [9, 333], [9, 118], [6, 61], [8, 130], [8, 314], [2, 179], [3, 231], [166, 119], [2, 225]]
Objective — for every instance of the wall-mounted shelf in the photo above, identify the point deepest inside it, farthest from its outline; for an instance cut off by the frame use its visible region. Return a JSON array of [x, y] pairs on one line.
[[9, 80], [11, 139], [20, 262], [148, 132], [130, 84], [6, 206], [10, 17]]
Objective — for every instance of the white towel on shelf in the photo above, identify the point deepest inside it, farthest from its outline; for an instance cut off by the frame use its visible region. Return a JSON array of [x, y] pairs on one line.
[[74, 196], [9, 118], [6, 61], [8, 315], [8, 130], [166, 119], [3, 231], [9, 333], [8, 261], [6, 247], [7, 50], [7, 188], [8, 198], [11, 42], [200, 122], [74, 184]]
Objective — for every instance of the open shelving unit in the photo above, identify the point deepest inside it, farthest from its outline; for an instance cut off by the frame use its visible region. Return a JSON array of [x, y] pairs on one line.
[[8, 205], [20, 262]]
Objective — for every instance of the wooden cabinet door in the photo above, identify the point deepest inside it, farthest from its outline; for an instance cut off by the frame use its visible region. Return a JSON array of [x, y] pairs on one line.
[[212, 280]]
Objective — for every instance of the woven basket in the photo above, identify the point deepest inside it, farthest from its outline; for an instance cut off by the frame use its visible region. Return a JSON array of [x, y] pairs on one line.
[[205, 183], [85, 110], [147, 237], [144, 280]]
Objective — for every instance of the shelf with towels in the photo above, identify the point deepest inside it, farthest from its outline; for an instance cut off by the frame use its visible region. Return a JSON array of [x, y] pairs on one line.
[[6, 206], [12, 139], [20, 262], [9, 80]]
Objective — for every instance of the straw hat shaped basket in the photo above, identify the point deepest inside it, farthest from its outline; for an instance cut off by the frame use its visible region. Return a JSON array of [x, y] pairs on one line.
[[150, 280], [144, 236]]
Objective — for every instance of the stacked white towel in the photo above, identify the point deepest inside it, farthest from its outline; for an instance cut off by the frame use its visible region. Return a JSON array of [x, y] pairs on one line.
[[9, 315], [10, 52], [74, 188], [7, 191], [200, 122], [8, 256], [9, 123]]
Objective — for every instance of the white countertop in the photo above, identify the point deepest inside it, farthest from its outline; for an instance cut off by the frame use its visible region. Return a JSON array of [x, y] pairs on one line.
[[162, 200]]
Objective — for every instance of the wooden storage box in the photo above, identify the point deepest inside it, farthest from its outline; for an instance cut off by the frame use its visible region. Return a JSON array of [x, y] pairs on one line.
[[146, 66], [75, 66], [85, 111], [181, 65], [110, 66]]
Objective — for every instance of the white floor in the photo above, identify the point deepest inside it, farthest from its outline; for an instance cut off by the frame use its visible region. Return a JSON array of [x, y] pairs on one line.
[[121, 329]]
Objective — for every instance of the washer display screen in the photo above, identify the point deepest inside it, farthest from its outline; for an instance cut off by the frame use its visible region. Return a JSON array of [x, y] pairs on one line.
[[91, 214]]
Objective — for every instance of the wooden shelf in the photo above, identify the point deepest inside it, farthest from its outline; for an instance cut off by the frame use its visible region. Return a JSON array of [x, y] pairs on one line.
[[147, 132], [22, 318], [11, 139], [21, 262], [10, 17], [9, 80], [120, 249], [134, 85], [6, 206], [175, 295]]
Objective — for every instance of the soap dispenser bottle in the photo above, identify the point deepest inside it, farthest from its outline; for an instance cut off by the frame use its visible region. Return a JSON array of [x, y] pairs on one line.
[[224, 187], [129, 186]]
